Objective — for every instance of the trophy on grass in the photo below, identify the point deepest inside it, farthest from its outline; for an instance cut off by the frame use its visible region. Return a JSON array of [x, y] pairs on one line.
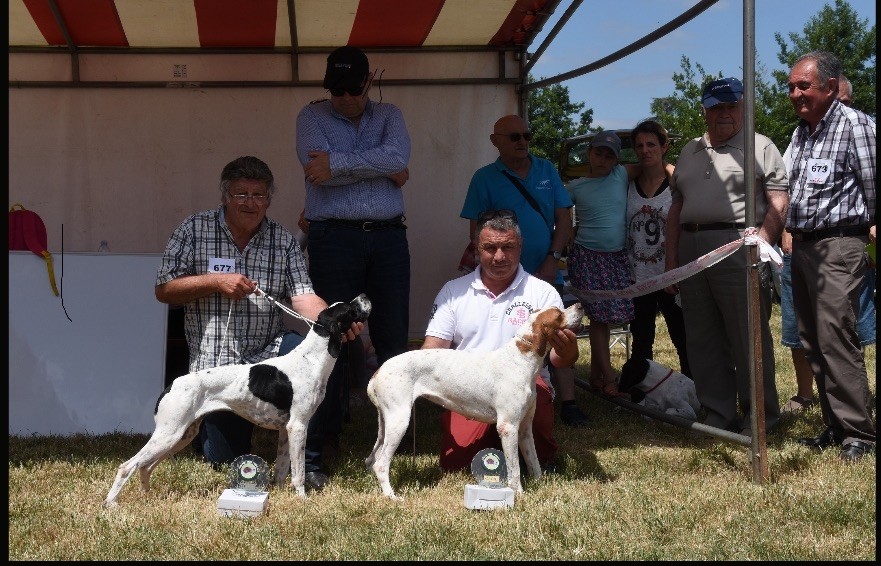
[[246, 495], [491, 491]]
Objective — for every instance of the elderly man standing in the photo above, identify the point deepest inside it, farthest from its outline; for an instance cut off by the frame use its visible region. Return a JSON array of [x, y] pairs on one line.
[[832, 210], [708, 211]]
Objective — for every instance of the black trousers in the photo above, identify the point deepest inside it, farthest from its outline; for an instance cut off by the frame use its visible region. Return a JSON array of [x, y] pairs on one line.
[[642, 327]]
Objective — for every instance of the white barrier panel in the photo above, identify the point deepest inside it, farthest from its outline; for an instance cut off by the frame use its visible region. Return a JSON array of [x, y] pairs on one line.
[[103, 370]]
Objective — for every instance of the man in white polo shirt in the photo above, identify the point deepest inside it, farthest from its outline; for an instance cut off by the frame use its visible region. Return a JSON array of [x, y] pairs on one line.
[[482, 311]]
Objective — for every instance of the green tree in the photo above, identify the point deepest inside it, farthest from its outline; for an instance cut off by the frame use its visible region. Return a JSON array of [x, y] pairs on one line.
[[680, 112], [837, 30], [552, 117]]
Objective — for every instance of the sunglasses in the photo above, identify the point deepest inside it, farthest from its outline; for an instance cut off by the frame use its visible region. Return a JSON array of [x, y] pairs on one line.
[[352, 91], [515, 137], [488, 215]]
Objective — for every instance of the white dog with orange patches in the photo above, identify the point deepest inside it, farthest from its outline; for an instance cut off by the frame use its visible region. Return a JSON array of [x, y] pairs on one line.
[[490, 387]]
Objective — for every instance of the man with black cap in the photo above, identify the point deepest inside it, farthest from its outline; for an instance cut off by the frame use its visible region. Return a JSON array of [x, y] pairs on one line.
[[709, 211], [354, 154]]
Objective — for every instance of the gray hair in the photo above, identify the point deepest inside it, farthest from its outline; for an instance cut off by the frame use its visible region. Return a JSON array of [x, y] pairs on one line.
[[502, 223], [844, 86], [828, 64], [247, 167]]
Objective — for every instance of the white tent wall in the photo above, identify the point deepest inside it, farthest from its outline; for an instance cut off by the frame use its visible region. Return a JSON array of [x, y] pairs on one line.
[[127, 165]]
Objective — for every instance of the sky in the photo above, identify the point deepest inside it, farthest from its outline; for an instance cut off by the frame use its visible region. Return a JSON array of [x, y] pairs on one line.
[[621, 93]]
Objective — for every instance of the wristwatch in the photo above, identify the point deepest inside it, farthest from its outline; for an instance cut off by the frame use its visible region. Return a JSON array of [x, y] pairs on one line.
[[557, 255]]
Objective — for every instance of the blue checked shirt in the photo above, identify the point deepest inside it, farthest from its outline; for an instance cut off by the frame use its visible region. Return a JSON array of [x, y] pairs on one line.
[[847, 197], [221, 331], [361, 158]]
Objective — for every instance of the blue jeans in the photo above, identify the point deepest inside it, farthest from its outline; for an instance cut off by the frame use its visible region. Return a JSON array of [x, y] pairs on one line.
[[224, 435], [789, 325], [345, 261]]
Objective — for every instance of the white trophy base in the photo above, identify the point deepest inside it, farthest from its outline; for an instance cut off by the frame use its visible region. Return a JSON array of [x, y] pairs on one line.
[[479, 497], [236, 504]]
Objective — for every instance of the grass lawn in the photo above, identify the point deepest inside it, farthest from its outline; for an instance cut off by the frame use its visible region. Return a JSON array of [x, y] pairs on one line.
[[627, 488]]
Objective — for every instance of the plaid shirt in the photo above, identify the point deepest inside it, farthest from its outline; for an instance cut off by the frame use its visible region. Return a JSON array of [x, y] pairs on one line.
[[360, 159], [221, 331], [847, 138]]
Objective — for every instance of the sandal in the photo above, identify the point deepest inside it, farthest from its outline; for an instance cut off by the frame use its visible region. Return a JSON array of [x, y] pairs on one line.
[[797, 404], [606, 387]]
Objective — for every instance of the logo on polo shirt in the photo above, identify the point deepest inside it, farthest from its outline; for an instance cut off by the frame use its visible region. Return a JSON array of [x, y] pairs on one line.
[[433, 311], [517, 313]]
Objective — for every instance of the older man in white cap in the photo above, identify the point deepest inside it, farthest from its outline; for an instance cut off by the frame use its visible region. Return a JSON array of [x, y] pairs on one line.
[[708, 211]]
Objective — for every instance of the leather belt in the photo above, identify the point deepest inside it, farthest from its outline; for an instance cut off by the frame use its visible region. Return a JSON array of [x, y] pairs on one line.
[[834, 232], [367, 225], [714, 226]]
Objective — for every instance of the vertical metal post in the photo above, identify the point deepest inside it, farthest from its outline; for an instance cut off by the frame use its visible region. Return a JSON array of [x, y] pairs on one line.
[[757, 390]]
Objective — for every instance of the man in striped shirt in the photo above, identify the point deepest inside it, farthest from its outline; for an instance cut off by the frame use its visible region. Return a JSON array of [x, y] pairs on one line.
[[354, 154], [212, 264], [832, 207]]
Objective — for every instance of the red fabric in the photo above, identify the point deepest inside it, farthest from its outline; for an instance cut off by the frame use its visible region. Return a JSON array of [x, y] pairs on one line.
[[462, 439], [26, 230], [233, 23], [385, 23], [89, 22]]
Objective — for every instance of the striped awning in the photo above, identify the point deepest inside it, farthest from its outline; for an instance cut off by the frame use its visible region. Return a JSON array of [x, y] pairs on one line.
[[277, 24]]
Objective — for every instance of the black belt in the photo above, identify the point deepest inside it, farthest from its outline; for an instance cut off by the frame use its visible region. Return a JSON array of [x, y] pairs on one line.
[[835, 232], [368, 225], [714, 226]]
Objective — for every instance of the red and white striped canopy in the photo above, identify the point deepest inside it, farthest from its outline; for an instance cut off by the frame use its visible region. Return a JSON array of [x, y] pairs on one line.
[[268, 23]]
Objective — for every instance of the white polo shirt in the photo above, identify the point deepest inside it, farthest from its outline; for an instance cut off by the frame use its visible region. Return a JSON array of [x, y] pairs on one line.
[[472, 318]]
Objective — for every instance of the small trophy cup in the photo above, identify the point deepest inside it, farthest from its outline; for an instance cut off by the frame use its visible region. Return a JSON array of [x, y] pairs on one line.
[[491, 490], [246, 495]]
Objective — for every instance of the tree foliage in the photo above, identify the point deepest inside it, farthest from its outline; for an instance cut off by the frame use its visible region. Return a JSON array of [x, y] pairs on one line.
[[840, 31], [837, 30], [552, 117]]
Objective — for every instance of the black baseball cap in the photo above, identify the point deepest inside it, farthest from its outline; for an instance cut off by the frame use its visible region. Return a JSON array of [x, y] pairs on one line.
[[347, 67]]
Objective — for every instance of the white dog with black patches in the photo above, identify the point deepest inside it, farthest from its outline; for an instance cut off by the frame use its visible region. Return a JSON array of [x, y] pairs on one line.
[[658, 387], [280, 394], [491, 387]]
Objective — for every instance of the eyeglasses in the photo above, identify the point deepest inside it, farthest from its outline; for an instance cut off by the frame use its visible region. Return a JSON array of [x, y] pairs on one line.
[[488, 215], [242, 197], [352, 91], [515, 137]]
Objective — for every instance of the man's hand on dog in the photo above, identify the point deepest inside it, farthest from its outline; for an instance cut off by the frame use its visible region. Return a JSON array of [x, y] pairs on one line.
[[565, 345]]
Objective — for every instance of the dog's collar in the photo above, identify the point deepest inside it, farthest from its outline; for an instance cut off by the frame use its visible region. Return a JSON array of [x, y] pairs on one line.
[[658, 384], [525, 341]]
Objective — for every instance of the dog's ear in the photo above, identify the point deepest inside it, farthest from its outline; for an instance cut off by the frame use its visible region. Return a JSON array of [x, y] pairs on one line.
[[636, 395], [548, 322], [632, 372]]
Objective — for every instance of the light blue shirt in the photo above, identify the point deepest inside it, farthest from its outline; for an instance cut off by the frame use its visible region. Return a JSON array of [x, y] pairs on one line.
[[491, 190], [601, 210], [361, 158]]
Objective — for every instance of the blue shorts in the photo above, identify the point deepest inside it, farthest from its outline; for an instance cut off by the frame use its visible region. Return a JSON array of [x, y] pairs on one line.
[[789, 326]]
